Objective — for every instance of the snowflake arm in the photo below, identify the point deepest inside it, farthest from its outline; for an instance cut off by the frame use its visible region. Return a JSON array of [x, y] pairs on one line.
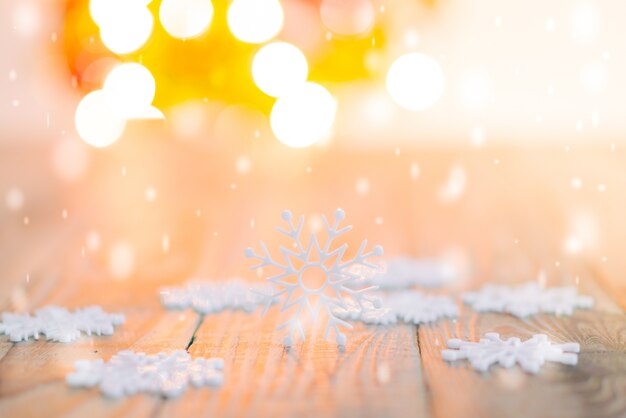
[[361, 257], [334, 323], [530, 354]]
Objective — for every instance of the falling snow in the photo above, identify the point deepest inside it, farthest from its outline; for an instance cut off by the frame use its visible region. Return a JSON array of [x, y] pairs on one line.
[[335, 283], [527, 299], [454, 187], [530, 354], [58, 324], [207, 297], [129, 373]]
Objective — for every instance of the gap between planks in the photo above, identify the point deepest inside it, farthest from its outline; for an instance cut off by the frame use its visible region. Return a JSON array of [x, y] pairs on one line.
[[378, 374], [592, 388]]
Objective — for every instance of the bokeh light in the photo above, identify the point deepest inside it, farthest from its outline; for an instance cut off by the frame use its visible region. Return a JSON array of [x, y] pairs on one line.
[[93, 241], [26, 18], [185, 18], [243, 165], [96, 120], [584, 22], [594, 77], [124, 27], [255, 21], [279, 67], [304, 116], [70, 159], [104, 11], [362, 186], [476, 90], [415, 81], [150, 193], [131, 89], [121, 260], [14, 199], [348, 17]]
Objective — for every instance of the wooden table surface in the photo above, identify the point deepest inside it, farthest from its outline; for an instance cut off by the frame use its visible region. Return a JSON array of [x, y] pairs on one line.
[[508, 224]]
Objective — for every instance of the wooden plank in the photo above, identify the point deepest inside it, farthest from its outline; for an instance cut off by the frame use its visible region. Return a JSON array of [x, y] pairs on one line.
[[507, 220], [32, 374], [592, 388], [32, 272], [378, 374]]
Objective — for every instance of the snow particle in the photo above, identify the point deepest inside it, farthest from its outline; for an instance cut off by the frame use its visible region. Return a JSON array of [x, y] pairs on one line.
[[414, 171], [121, 260], [165, 243], [150, 194], [362, 186], [92, 241], [14, 199], [243, 165]]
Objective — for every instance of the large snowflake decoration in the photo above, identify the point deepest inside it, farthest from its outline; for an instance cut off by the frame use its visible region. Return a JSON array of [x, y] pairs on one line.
[[315, 278], [58, 324], [207, 297], [530, 354], [128, 373], [410, 306], [527, 299]]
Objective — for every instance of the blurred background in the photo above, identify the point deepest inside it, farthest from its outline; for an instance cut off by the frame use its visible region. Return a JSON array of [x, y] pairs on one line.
[[155, 140]]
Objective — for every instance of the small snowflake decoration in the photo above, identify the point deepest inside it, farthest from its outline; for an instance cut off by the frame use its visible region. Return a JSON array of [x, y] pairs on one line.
[[338, 283], [527, 299], [411, 307], [128, 373], [406, 272], [530, 354], [207, 297], [58, 324]]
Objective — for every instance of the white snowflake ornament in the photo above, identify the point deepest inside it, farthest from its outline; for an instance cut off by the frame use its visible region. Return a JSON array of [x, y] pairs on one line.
[[412, 307], [128, 373], [208, 297], [314, 278], [530, 354], [406, 272], [527, 299], [58, 324]]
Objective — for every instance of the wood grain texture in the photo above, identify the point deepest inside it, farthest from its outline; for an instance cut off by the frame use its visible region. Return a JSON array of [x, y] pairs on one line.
[[314, 378], [595, 387], [508, 225], [32, 373]]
